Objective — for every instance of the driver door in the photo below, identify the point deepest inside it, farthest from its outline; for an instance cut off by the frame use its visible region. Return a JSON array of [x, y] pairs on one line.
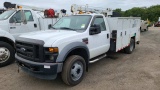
[[31, 23], [99, 43], [16, 25]]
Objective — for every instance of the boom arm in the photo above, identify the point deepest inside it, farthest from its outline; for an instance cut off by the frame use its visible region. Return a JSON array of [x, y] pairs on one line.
[[85, 8]]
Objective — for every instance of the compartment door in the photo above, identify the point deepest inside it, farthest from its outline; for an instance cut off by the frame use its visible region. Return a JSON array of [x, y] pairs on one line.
[[126, 31], [119, 34]]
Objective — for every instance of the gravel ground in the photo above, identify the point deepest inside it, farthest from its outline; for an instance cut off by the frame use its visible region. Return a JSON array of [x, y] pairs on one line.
[[137, 71]]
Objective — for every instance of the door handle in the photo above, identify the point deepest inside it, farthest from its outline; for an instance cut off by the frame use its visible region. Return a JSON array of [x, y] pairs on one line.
[[12, 27], [35, 25], [107, 36], [121, 33]]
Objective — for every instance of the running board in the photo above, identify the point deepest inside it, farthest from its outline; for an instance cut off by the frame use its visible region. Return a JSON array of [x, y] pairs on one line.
[[97, 59]]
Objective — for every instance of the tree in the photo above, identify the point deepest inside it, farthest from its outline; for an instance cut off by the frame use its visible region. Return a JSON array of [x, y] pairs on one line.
[[151, 13], [136, 12], [119, 10]]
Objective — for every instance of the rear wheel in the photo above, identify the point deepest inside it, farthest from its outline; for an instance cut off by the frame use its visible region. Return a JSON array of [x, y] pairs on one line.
[[140, 29], [73, 70], [6, 54], [131, 47]]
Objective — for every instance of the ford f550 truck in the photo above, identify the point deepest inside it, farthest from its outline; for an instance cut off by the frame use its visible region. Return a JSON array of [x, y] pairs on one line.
[[73, 43]]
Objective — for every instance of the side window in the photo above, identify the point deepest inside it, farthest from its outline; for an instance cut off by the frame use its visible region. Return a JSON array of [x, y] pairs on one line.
[[100, 21], [16, 18], [28, 15]]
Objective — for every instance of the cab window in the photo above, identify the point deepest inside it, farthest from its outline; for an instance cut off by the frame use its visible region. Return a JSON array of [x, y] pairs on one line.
[[28, 15], [16, 18], [100, 21]]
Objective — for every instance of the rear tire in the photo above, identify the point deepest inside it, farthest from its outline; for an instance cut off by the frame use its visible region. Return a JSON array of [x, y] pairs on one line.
[[73, 70], [131, 47], [6, 54], [140, 29]]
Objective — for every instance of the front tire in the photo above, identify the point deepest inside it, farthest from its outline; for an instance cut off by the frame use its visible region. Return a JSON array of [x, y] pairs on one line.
[[73, 70], [6, 54], [147, 29], [131, 47]]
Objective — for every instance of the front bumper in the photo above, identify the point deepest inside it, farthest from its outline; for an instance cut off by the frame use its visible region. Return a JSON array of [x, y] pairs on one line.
[[47, 71]]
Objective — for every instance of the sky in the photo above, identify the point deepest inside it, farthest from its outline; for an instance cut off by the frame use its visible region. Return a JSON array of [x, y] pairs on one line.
[[66, 4]]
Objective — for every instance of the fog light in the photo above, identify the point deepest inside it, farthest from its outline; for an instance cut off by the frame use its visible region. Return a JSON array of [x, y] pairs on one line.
[[51, 57]]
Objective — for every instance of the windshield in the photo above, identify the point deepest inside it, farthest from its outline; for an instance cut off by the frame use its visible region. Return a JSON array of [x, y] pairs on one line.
[[78, 22], [6, 14]]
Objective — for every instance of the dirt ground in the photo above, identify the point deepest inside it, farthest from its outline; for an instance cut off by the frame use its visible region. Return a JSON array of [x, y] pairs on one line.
[[137, 71]]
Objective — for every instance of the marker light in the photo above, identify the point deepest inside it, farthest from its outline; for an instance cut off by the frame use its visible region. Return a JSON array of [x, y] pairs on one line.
[[53, 50]]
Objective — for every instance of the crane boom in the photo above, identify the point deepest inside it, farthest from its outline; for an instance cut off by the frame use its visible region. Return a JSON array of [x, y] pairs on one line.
[[85, 8], [30, 7]]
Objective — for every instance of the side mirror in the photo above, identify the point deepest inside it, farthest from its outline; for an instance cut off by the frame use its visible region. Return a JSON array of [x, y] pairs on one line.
[[49, 26], [95, 29], [25, 21], [23, 17]]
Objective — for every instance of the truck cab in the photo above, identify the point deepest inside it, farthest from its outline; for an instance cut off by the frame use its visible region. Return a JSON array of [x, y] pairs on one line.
[[19, 21]]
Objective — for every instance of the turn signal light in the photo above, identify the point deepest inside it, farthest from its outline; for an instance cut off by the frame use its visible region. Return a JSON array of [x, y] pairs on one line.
[[53, 50]]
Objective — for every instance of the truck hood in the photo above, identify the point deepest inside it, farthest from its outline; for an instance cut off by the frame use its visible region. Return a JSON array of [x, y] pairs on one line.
[[48, 35]]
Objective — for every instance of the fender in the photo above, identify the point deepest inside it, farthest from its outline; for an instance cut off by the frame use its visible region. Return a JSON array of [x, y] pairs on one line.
[[6, 35], [67, 49], [2, 32]]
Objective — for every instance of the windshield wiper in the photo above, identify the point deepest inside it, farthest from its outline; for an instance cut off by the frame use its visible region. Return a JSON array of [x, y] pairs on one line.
[[67, 28]]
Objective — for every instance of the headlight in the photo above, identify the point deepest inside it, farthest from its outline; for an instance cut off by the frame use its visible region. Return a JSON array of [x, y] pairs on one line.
[[51, 57], [51, 54]]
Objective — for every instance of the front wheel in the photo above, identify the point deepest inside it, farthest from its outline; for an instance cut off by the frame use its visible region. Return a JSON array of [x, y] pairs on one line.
[[73, 70], [6, 54], [131, 47], [147, 29]]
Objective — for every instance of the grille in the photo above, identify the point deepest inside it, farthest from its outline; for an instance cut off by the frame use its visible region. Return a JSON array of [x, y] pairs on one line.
[[30, 52]]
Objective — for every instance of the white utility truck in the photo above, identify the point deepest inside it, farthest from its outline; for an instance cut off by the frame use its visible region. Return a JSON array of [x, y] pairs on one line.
[[74, 42], [144, 25], [17, 21]]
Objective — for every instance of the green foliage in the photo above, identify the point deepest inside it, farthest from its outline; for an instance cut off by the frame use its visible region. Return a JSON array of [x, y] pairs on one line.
[[151, 13], [119, 10]]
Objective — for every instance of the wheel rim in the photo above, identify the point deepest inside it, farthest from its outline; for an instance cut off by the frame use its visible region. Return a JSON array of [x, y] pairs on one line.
[[4, 54], [76, 71], [131, 46]]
